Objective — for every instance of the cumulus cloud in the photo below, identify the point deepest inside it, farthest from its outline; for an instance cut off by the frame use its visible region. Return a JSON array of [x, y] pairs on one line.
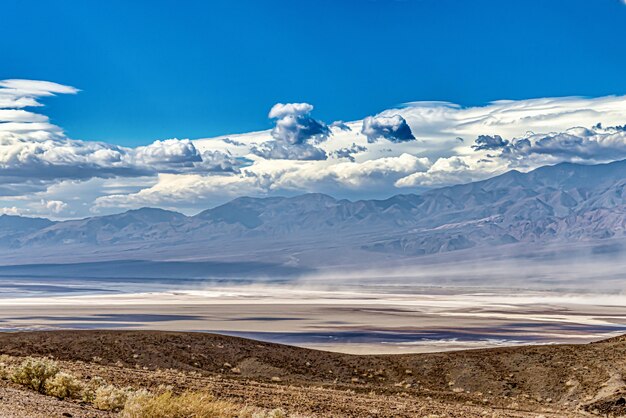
[[40, 208], [267, 177], [339, 124], [61, 158], [489, 142], [293, 133], [313, 176], [181, 155], [392, 128], [12, 211], [220, 162], [573, 145], [349, 152], [494, 155], [294, 126], [171, 151], [282, 110], [183, 191], [382, 170], [233, 142], [276, 150], [450, 170], [578, 144], [54, 206], [27, 160]]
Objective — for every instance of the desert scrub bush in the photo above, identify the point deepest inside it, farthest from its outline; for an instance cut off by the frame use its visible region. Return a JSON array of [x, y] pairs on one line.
[[90, 388], [274, 413], [110, 398], [64, 385], [143, 404], [4, 366], [34, 373]]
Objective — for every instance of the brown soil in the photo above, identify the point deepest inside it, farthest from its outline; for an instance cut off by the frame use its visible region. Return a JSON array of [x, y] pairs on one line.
[[549, 380]]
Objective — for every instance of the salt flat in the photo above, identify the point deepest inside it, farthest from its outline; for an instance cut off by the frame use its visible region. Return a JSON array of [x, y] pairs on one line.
[[367, 321]]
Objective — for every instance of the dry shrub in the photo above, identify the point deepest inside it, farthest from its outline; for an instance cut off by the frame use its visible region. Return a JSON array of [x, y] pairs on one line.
[[64, 385], [274, 413], [34, 373], [143, 404], [110, 398], [90, 388], [4, 366]]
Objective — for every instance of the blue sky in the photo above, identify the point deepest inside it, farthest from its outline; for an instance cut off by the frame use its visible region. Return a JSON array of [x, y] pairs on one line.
[[188, 69], [185, 105]]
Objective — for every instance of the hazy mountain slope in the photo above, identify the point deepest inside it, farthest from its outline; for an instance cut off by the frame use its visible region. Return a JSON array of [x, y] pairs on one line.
[[140, 224], [312, 213], [563, 202], [566, 202], [13, 227]]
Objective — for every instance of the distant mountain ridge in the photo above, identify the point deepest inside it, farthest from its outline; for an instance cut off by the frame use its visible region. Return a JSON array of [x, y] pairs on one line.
[[565, 202]]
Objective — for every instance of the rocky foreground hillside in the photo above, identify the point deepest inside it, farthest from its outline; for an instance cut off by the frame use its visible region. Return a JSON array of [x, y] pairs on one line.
[[532, 381]]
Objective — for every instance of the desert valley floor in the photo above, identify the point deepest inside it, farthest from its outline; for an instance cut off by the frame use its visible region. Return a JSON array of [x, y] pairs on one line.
[[352, 322]]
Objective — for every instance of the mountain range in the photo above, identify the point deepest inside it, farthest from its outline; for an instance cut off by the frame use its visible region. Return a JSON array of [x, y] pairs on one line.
[[562, 203]]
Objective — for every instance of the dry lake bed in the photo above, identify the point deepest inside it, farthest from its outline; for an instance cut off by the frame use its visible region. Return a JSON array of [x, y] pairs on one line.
[[369, 320]]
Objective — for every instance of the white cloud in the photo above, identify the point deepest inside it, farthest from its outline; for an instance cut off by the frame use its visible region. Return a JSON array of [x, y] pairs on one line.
[[18, 123], [293, 133], [49, 159], [13, 211], [392, 128], [574, 145], [267, 177], [18, 94], [43, 172], [339, 124], [54, 206], [452, 170], [275, 150], [489, 142], [183, 192], [281, 110], [349, 152], [34, 88], [170, 151], [294, 126]]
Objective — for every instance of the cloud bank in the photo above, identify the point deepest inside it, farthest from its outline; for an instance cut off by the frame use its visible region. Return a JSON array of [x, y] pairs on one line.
[[44, 172], [573, 145]]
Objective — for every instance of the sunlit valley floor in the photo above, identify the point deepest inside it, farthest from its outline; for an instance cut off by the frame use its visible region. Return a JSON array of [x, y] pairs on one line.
[[418, 309]]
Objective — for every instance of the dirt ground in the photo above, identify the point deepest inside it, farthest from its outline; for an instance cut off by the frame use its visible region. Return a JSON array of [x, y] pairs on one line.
[[530, 381]]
